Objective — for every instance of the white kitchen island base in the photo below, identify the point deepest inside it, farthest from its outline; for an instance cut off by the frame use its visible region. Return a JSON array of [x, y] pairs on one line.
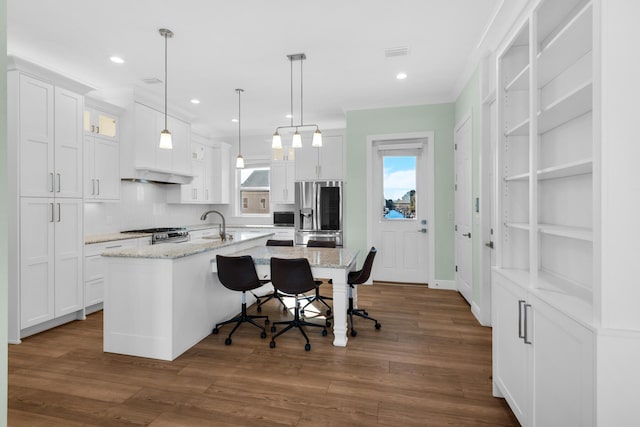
[[158, 305]]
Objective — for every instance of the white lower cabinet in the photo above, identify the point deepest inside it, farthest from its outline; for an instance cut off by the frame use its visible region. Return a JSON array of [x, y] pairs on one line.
[[95, 268], [543, 359], [51, 244]]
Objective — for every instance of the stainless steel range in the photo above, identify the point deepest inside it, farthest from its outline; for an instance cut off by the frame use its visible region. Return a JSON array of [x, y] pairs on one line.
[[165, 235]]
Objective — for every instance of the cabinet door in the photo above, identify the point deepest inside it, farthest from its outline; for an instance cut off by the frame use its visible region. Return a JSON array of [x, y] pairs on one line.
[[107, 169], [181, 139], [89, 167], [37, 259], [220, 176], [306, 167], [147, 135], [330, 158], [36, 137], [198, 184], [69, 246], [510, 353], [281, 182], [563, 370], [101, 124], [69, 109]]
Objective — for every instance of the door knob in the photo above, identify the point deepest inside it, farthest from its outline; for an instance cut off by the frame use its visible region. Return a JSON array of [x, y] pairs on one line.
[[489, 244], [467, 235], [422, 230]]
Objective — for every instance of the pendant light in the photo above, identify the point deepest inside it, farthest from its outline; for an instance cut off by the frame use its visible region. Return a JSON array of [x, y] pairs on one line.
[[276, 142], [165, 135], [239, 159]]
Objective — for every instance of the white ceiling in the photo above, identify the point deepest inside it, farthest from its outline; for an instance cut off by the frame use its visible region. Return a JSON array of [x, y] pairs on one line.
[[222, 45]]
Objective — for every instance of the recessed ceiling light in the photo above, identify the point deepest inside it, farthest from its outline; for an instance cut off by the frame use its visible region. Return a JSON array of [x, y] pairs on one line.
[[401, 76], [234, 120], [195, 101], [288, 116], [117, 60]]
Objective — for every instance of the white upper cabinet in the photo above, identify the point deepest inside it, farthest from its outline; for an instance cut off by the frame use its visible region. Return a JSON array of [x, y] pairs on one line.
[[220, 174], [50, 133], [282, 178], [324, 163], [101, 154]]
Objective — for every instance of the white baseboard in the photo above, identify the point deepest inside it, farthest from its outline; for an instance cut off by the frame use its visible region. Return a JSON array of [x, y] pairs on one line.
[[449, 285], [475, 310]]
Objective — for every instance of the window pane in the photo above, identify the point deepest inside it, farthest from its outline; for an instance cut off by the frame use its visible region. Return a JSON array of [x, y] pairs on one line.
[[254, 190], [399, 187]]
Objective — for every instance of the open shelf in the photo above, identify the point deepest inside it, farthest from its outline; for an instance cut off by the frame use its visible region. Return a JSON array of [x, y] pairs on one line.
[[518, 177], [580, 233], [521, 129], [569, 44], [518, 225], [570, 106], [579, 167], [520, 81]]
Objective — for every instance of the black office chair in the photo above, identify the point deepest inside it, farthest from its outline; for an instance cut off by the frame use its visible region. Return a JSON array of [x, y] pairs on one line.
[[239, 274], [357, 278], [293, 276], [317, 297], [274, 294]]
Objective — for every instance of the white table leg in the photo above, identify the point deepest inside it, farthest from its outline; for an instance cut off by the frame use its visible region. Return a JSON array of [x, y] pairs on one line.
[[340, 297]]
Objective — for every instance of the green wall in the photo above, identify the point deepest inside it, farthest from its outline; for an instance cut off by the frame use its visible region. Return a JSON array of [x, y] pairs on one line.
[[438, 118], [469, 101], [4, 227]]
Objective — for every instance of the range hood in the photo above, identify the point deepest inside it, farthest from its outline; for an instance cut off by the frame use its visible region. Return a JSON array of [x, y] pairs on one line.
[[162, 176]]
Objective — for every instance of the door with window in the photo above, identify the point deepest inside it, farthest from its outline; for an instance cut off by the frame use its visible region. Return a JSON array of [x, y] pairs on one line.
[[399, 217]]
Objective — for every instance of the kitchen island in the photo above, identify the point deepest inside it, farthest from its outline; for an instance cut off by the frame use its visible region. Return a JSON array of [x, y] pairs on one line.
[[160, 300]]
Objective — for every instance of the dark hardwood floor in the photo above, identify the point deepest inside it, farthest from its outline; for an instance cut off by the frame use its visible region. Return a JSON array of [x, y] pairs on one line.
[[429, 365]]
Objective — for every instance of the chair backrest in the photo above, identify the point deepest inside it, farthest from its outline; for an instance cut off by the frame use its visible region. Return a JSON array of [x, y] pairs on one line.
[[292, 275], [321, 243], [275, 242], [237, 273], [362, 275]]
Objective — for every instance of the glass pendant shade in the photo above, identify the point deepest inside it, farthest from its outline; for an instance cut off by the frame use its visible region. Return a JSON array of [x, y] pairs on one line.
[[239, 162], [317, 139], [277, 141], [297, 140], [165, 140]]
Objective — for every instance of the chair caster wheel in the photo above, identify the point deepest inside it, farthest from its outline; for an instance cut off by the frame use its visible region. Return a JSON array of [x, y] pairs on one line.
[[354, 332], [378, 325], [365, 312], [272, 344], [266, 322], [324, 332], [227, 341], [263, 334], [301, 312], [329, 312], [284, 309], [259, 309], [307, 347], [273, 329], [327, 324], [215, 331]]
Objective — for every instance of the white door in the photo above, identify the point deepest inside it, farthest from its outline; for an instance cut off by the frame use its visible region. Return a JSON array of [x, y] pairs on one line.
[[69, 244], [463, 209], [69, 113], [399, 217]]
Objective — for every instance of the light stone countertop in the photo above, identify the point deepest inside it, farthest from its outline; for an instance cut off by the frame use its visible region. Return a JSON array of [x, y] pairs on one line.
[[318, 257], [183, 249], [111, 237]]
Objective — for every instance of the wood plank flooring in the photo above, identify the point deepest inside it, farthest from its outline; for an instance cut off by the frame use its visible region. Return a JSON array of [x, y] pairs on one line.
[[429, 365]]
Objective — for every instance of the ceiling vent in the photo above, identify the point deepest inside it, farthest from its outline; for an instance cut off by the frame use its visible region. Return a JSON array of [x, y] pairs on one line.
[[152, 80], [396, 51]]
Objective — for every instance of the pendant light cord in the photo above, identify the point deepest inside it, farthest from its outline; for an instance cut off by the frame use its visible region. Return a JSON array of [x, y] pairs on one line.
[[301, 117], [291, 91], [239, 137]]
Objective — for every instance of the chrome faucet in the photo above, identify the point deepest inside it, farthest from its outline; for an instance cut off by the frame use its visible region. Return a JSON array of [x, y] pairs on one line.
[[223, 231]]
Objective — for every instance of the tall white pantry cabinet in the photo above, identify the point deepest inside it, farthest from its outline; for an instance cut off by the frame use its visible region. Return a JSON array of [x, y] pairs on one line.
[[566, 322], [45, 148]]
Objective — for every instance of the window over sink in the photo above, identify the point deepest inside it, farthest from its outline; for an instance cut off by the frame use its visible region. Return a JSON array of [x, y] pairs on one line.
[[253, 190]]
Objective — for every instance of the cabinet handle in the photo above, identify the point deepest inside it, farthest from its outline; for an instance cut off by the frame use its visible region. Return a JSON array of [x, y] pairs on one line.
[[520, 334], [52, 213], [93, 187], [52, 181], [59, 216], [467, 235], [93, 128], [97, 129], [526, 335], [59, 181], [98, 182]]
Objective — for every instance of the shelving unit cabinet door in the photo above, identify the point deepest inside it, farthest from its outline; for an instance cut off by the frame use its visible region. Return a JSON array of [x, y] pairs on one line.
[[37, 248], [563, 370], [510, 353], [36, 137], [69, 258], [330, 157], [69, 111]]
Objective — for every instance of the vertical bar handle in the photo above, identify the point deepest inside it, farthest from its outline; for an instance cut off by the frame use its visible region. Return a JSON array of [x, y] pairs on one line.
[[59, 183], [52, 181], [93, 187], [520, 333], [98, 181], [52, 213], [59, 216], [526, 335]]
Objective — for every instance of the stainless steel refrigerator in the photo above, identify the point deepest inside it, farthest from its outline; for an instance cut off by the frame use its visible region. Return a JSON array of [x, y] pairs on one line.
[[320, 211]]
